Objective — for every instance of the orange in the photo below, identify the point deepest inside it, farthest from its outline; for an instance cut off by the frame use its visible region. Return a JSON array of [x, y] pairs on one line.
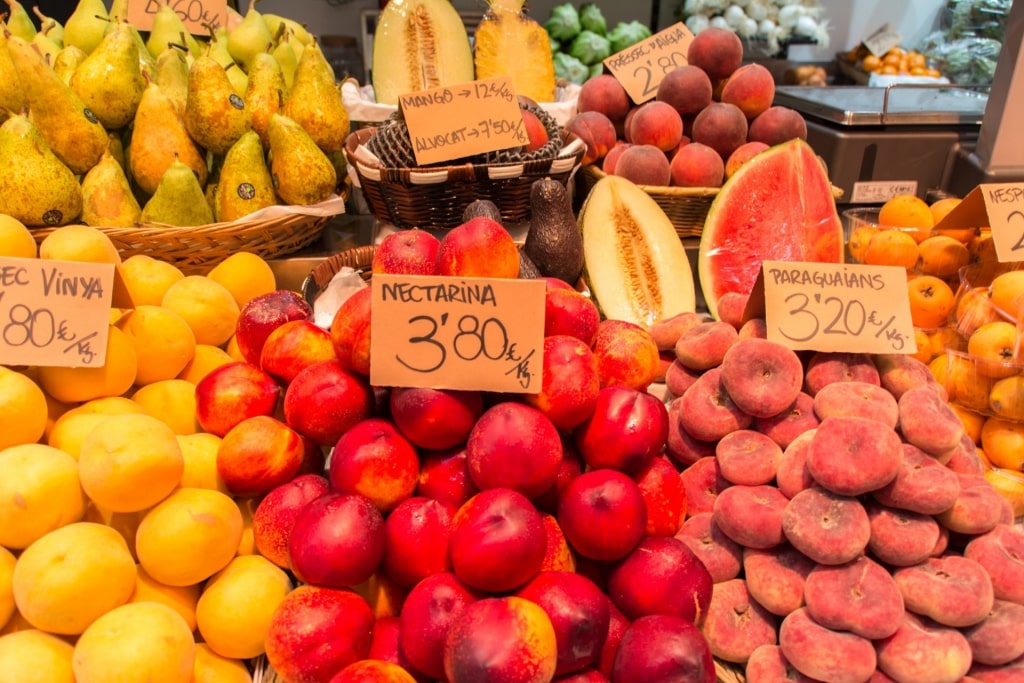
[[996, 349], [1003, 443], [942, 256], [891, 248], [907, 211], [931, 301]]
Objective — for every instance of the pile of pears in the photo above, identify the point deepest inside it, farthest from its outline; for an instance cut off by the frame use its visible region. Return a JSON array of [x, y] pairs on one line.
[[108, 126]]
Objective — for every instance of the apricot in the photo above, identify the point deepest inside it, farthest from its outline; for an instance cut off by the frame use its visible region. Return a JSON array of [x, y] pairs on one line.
[[644, 164], [777, 124], [751, 88], [721, 126], [697, 165], [687, 88]]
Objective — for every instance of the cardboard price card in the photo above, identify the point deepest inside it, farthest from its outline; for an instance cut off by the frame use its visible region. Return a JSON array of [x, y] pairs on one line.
[[837, 307], [54, 312], [883, 39], [640, 68], [462, 120], [457, 333], [199, 16], [999, 206]]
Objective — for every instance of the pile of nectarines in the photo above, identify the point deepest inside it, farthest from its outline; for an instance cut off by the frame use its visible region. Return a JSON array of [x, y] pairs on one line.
[[706, 118]]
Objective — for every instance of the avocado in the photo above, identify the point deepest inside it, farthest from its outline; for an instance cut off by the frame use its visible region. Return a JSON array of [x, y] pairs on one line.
[[553, 241]]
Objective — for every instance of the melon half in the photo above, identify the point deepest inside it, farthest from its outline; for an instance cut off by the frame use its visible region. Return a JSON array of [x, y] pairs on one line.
[[777, 207]]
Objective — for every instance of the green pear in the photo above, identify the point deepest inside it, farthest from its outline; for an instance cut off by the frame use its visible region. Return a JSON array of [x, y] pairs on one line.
[[266, 92], [218, 49], [302, 173], [244, 185], [287, 58], [119, 10], [107, 198], [19, 23], [56, 30], [147, 63], [168, 28], [249, 38], [66, 61], [215, 115], [109, 80], [178, 200], [87, 25], [276, 21], [314, 101], [172, 76], [36, 187], [158, 139], [46, 46], [12, 99], [69, 127]]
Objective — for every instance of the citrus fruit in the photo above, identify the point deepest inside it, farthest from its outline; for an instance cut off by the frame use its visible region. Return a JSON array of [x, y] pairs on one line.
[[245, 275], [23, 409], [39, 492]]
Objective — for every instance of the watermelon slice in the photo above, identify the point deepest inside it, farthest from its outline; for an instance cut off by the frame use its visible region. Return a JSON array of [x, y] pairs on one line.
[[778, 207]]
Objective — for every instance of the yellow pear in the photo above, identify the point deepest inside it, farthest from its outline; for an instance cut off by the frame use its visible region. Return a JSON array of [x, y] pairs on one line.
[[158, 139], [314, 101], [215, 115], [36, 188], [107, 199], [12, 99], [244, 184], [168, 28], [19, 23], [218, 49], [172, 76], [44, 43], [87, 25], [275, 22], [178, 200], [301, 171], [110, 80], [250, 37], [55, 31], [265, 93], [66, 61]]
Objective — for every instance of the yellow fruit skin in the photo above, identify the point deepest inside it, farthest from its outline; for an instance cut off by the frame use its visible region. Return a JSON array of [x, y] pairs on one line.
[[7, 562], [114, 378], [210, 667], [39, 491], [23, 409], [32, 656], [15, 239], [182, 599], [163, 340]]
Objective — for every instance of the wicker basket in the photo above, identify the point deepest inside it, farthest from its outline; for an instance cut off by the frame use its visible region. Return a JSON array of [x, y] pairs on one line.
[[197, 249], [436, 196], [357, 258]]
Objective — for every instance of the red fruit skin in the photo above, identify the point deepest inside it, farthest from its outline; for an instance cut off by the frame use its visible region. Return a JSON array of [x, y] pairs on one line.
[[324, 400], [625, 430], [234, 392], [262, 315], [275, 515], [320, 555]]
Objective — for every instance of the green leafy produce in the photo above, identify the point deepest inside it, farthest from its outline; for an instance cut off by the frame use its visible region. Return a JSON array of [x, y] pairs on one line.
[[596, 70], [570, 68], [589, 47], [591, 18], [564, 23], [627, 33]]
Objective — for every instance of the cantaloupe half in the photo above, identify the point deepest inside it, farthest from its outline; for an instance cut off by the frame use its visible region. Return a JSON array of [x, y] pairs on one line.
[[634, 263], [778, 206]]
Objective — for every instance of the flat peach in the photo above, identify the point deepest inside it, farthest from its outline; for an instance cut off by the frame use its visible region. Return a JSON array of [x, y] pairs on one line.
[[827, 527], [776, 577]]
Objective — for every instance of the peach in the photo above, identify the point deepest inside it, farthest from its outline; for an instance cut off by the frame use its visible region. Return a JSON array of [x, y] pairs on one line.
[[480, 247], [751, 87], [854, 455], [603, 514], [998, 638], [661, 575], [259, 454], [859, 596], [921, 485], [751, 515], [762, 377], [679, 445], [444, 476], [567, 311], [274, 517], [978, 508], [1001, 552], [687, 88], [736, 624], [720, 554], [827, 527], [597, 132], [372, 458], [350, 332], [324, 400], [233, 392], [731, 308], [792, 475], [262, 315], [1004, 673], [823, 653], [660, 647], [755, 327], [928, 422], [569, 382], [740, 156], [718, 51], [899, 372], [644, 164], [696, 165], [666, 332], [513, 427], [624, 431], [776, 577], [579, 612], [776, 125], [748, 457], [416, 536], [702, 346], [722, 127], [611, 159], [796, 419], [767, 664], [825, 367], [663, 494], [406, 252], [321, 556], [859, 399], [678, 377], [657, 124], [901, 538], [604, 93], [707, 412], [558, 556], [536, 132], [434, 419], [921, 650], [317, 631], [951, 590], [429, 610], [626, 354], [703, 481]]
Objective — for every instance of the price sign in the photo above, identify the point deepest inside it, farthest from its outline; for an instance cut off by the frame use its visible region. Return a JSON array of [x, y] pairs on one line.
[[999, 206], [641, 67], [838, 307], [462, 120], [884, 38], [457, 333], [54, 312], [199, 16]]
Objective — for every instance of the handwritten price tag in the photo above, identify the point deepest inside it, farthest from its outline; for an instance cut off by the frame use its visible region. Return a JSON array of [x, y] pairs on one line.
[[54, 312], [999, 206], [838, 307], [462, 120], [457, 333], [883, 39], [640, 68], [199, 16]]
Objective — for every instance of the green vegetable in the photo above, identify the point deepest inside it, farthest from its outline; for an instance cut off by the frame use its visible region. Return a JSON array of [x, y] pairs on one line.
[[564, 22], [589, 47], [570, 68], [626, 34], [556, 46], [591, 18], [596, 70]]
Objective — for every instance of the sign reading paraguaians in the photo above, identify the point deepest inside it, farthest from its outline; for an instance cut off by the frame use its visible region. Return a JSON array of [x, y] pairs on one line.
[[457, 121], [640, 68], [199, 16], [457, 333], [54, 313]]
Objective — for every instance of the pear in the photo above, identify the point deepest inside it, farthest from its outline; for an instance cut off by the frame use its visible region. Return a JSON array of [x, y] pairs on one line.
[[109, 80], [36, 187], [285, 54], [19, 23], [12, 99], [107, 198], [218, 49], [178, 200], [249, 38], [56, 30], [168, 28], [46, 46], [314, 101], [69, 127], [244, 185], [159, 138], [172, 76], [87, 25], [115, 148], [265, 93], [215, 115], [66, 61], [119, 10], [302, 173], [276, 21], [147, 63]]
